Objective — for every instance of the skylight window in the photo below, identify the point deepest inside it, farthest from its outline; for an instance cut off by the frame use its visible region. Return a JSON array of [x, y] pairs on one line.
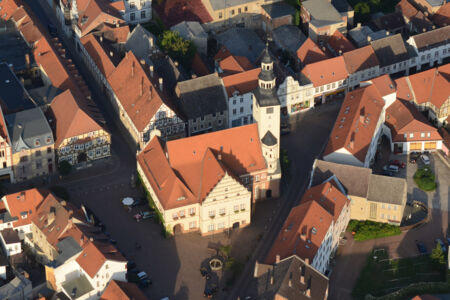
[[314, 230]]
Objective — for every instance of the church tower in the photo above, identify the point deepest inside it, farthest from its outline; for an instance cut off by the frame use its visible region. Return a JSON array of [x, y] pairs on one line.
[[266, 113]]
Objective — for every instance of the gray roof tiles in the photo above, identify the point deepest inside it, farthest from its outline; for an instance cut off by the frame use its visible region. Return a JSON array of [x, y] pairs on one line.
[[390, 50], [322, 12], [278, 9], [242, 42], [386, 189], [221, 4], [269, 139], [432, 38], [288, 37]]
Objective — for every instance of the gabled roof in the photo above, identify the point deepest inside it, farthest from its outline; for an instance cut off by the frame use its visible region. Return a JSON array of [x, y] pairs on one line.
[[442, 17], [402, 118], [339, 43], [356, 123], [242, 42], [384, 84], [185, 170], [95, 13], [296, 236], [390, 50], [309, 53], [97, 50], [242, 83], [432, 39], [407, 9], [326, 71], [95, 254], [119, 290], [235, 64], [428, 86], [115, 33], [360, 59], [23, 205], [381, 186], [137, 92], [71, 120], [390, 22]]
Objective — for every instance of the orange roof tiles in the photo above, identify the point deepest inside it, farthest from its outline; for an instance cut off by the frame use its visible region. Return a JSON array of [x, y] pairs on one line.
[[384, 84], [407, 9], [402, 117], [8, 7], [442, 17], [115, 33], [427, 86], [71, 120], [235, 64], [309, 52], [326, 71], [95, 254], [360, 59], [198, 66], [24, 204], [356, 123], [194, 166], [222, 53], [339, 43], [138, 94], [242, 83], [98, 54], [119, 290], [96, 12]]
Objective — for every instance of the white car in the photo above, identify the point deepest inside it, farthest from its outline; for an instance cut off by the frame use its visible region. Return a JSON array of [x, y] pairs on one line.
[[425, 159]]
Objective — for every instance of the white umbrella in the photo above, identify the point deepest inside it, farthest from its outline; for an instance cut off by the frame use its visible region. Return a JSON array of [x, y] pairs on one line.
[[127, 201]]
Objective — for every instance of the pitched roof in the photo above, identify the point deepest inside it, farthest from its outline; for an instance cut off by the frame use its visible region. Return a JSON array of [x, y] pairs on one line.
[[384, 84], [390, 22], [176, 170], [355, 180], [23, 205], [95, 13], [119, 290], [432, 39], [95, 254], [326, 71], [385, 189], [176, 11], [71, 120], [390, 50], [10, 236], [102, 59], [287, 280], [278, 9], [202, 96], [428, 86], [407, 9], [360, 59], [198, 66], [402, 118], [303, 231], [137, 92], [242, 83], [356, 123], [309, 53], [442, 17], [339, 43], [235, 64], [242, 42], [116, 33], [288, 37], [269, 139]]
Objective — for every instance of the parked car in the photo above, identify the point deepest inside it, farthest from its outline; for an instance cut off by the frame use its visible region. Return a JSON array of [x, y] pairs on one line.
[[425, 159], [142, 215], [421, 247], [387, 173], [142, 275], [441, 243], [391, 168], [397, 163]]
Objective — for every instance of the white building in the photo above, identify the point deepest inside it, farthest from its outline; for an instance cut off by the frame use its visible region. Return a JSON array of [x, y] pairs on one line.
[[10, 242], [392, 54], [431, 47], [362, 64], [295, 96], [3, 266], [138, 11]]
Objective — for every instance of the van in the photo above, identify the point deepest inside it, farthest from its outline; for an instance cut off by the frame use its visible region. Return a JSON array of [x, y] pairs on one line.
[[391, 168], [142, 275]]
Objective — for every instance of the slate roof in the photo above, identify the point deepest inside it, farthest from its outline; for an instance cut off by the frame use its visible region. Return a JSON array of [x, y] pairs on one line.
[[202, 96], [390, 50], [278, 9], [360, 59], [29, 129], [269, 139], [13, 95], [390, 22], [432, 39], [385, 189], [139, 42], [286, 280], [220, 4], [242, 42], [322, 12], [288, 37], [266, 97]]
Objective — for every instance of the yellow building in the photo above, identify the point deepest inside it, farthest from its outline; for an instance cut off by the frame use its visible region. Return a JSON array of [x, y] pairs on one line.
[[32, 144]]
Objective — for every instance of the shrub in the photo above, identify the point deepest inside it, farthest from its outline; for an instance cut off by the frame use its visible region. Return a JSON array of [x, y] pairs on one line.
[[425, 179], [367, 230]]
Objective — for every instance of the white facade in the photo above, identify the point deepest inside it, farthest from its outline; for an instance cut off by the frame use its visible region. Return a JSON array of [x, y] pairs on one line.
[[240, 109], [3, 272], [295, 97], [11, 249], [322, 258], [330, 88], [395, 68], [431, 55], [138, 11], [355, 79]]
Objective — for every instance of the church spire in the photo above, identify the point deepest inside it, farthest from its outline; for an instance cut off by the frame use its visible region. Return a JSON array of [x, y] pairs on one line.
[[266, 77]]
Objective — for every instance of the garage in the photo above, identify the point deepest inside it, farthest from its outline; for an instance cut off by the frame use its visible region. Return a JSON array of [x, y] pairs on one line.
[[415, 147], [430, 145]]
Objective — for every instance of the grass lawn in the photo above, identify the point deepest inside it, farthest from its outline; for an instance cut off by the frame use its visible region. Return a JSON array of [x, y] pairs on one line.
[[425, 179], [367, 230], [381, 275]]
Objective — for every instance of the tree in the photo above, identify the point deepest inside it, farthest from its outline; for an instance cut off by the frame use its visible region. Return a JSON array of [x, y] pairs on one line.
[[178, 48], [362, 11], [64, 168], [437, 255]]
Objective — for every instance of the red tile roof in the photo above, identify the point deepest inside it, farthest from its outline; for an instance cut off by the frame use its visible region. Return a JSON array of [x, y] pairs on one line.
[[242, 83], [235, 64], [339, 43], [176, 11], [309, 53], [407, 9], [384, 84], [95, 254], [96, 12], [402, 117], [8, 7], [119, 290], [98, 54], [442, 17], [222, 53], [138, 94], [427, 86], [326, 71], [198, 66], [360, 59], [194, 166], [71, 120], [356, 123], [24, 203]]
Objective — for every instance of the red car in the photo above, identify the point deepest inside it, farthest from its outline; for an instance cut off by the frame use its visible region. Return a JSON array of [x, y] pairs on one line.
[[397, 163]]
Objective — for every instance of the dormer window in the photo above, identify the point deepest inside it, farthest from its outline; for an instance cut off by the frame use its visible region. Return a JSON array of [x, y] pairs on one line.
[[37, 142], [49, 139]]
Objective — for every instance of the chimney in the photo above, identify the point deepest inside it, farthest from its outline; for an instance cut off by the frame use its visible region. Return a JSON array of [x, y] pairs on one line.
[[91, 239], [111, 53], [27, 60], [324, 49], [150, 93], [150, 42], [63, 203], [50, 217], [424, 30], [369, 38], [290, 280], [142, 61], [433, 27], [141, 92], [277, 258], [307, 261], [362, 113], [271, 279], [152, 69], [101, 38], [308, 292], [358, 25], [117, 25], [302, 276], [387, 32], [176, 64], [352, 141], [160, 84], [219, 156], [340, 52]]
